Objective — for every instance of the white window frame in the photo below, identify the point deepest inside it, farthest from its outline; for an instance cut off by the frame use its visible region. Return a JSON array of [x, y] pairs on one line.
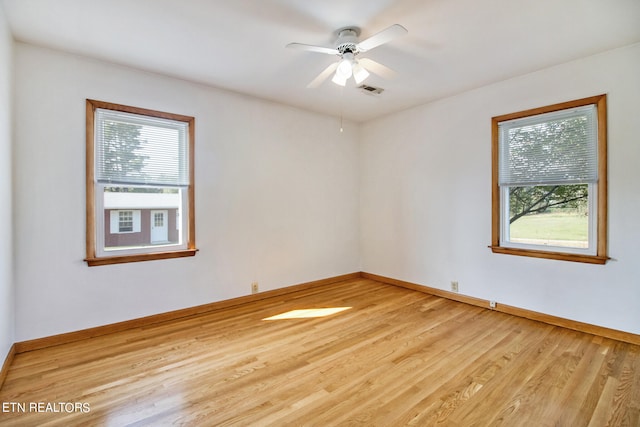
[[596, 252], [101, 251], [96, 252]]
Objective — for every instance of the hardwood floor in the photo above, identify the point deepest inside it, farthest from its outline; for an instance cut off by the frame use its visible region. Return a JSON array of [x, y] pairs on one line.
[[395, 357]]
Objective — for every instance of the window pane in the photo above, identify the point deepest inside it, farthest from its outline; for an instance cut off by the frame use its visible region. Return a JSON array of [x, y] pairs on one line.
[[158, 220], [553, 148], [137, 149], [145, 217], [125, 221], [556, 215]]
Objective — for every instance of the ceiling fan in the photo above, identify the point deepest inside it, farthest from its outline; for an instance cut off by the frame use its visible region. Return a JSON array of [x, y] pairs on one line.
[[347, 48]]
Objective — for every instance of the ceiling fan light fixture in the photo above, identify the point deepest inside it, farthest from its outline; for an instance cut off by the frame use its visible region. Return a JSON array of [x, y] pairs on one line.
[[345, 67], [339, 79], [359, 73]]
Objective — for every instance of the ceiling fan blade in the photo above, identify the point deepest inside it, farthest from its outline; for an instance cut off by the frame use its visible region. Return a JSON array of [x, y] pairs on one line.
[[377, 68], [311, 48], [384, 36], [323, 76]]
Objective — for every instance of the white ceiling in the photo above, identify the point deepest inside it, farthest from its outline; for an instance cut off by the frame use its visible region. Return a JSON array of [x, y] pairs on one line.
[[452, 45]]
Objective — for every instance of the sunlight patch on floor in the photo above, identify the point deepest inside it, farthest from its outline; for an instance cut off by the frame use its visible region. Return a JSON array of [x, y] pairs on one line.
[[307, 313]]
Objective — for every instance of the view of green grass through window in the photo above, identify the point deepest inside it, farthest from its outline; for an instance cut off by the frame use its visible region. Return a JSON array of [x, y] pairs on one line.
[[556, 215]]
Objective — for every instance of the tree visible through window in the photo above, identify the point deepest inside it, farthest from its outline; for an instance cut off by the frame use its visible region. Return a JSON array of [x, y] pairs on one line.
[[121, 154], [549, 181]]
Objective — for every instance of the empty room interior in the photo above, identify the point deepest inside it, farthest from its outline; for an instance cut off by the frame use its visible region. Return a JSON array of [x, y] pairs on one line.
[[287, 212]]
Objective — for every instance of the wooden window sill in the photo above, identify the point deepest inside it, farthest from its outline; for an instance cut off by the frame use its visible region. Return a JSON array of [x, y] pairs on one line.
[[93, 262], [562, 256]]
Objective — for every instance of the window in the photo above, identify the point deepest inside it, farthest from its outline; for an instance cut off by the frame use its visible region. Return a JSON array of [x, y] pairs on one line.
[[158, 220], [549, 185], [124, 221], [139, 170]]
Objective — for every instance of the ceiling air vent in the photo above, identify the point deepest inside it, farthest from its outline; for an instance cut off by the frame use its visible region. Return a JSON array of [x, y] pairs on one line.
[[370, 90]]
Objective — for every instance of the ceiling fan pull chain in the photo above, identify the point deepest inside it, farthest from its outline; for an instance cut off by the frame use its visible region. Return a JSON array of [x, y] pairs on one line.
[[341, 109]]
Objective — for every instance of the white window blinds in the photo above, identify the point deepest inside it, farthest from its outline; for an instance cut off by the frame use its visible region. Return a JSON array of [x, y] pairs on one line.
[[135, 149], [550, 149]]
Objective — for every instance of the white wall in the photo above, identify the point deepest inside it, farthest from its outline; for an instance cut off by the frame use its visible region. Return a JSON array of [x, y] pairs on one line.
[[282, 197], [426, 196], [7, 317], [276, 197]]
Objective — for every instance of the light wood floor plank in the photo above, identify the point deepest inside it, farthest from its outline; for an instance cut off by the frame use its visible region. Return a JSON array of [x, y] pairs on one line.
[[395, 357]]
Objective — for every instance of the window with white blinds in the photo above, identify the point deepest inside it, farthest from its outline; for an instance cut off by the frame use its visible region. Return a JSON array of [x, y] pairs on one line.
[[137, 149], [139, 167], [559, 147], [549, 182]]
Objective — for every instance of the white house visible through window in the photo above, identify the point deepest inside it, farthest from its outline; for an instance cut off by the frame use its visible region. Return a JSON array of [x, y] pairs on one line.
[[139, 180], [550, 182]]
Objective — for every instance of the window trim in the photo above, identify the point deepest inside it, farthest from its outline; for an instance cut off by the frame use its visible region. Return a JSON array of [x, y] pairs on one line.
[[91, 233], [601, 223]]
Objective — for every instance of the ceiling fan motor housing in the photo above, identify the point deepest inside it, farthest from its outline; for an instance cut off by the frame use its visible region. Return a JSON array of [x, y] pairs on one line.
[[348, 40]]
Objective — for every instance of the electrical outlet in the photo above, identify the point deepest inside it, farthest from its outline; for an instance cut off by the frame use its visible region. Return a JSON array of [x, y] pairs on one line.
[[254, 287], [492, 304], [454, 286]]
